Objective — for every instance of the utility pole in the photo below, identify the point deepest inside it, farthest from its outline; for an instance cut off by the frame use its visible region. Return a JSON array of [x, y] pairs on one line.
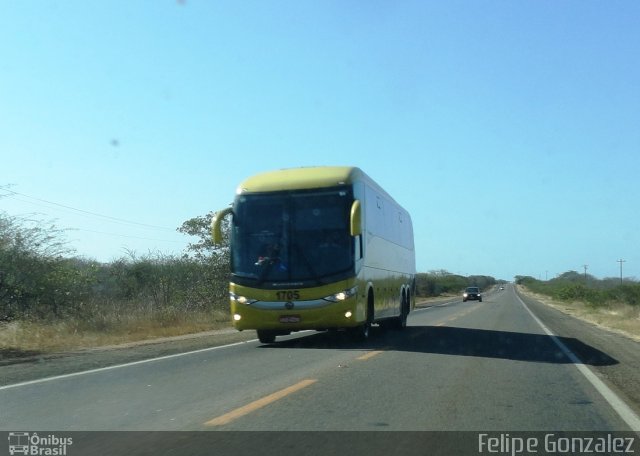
[[586, 266], [621, 261]]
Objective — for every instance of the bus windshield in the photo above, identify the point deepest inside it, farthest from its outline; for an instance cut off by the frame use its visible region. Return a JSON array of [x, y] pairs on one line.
[[300, 237]]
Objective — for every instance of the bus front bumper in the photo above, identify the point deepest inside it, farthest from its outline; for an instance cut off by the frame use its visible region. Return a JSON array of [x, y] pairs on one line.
[[333, 315]]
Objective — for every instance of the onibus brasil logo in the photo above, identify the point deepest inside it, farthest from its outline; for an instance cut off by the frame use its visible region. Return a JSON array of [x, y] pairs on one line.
[[33, 444]]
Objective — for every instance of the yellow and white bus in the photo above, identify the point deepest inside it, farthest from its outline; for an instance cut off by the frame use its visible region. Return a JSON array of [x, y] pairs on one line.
[[317, 248]]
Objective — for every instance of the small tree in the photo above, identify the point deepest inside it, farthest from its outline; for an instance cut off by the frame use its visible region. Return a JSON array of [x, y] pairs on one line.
[[214, 259]]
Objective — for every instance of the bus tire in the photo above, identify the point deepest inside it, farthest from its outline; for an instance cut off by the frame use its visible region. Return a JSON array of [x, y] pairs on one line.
[[361, 332], [265, 336], [402, 322]]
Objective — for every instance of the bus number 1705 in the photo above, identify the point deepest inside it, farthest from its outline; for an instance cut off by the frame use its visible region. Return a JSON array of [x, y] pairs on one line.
[[288, 295]]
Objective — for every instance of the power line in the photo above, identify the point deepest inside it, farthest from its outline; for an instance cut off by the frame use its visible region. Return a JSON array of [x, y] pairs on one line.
[[12, 193], [66, 230], [125, 235]]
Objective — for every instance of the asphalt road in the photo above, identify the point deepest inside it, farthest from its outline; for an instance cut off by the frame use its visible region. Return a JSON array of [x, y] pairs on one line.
[[503, 365]]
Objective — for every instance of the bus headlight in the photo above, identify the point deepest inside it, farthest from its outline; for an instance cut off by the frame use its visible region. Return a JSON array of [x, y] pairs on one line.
[[237, 317], [241, 299], [342, 295]]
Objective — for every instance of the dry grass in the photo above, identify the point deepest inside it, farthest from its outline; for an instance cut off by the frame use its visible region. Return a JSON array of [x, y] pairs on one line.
[[25, 336], [618, 317]]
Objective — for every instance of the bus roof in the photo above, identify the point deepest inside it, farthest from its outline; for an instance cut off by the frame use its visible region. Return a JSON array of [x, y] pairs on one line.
[[301, 178]]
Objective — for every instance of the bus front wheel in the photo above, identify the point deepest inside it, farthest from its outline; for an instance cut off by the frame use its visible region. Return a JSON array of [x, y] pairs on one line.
[[360, 333], [266, 336]]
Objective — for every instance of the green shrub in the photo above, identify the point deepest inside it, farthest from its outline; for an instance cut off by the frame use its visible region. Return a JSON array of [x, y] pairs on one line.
[[39, 281], [572, 286]]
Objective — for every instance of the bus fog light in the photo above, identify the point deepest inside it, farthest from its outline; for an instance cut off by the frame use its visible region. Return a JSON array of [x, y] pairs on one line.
[[237, 317], [348, 314]]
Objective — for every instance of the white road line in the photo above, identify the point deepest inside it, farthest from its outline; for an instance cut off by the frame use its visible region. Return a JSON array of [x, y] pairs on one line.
[[118, 366], [621, 408], [133, 363]]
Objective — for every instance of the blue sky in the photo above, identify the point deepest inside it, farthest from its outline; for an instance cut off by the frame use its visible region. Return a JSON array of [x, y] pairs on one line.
[[510, 130]]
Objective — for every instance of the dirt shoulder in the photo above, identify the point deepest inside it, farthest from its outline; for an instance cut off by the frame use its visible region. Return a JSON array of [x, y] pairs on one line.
[[618, 318]]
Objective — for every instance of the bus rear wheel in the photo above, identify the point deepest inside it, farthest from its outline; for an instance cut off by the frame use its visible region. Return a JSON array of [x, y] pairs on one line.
[[401, 321]]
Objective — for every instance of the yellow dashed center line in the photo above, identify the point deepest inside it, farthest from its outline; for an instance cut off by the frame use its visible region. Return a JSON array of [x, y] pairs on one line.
[[258, 404], [456, 316], [369, 355]]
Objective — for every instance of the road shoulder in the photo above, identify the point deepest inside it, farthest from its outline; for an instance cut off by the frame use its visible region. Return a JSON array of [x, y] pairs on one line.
[[44, 365], [622, 375]]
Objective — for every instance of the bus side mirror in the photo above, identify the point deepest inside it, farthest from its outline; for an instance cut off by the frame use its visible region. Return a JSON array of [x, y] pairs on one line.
[[216, 225], [356, 219]]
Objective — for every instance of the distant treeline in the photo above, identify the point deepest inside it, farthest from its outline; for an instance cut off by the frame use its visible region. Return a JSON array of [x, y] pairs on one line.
[[436, 283], [573, 286]]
